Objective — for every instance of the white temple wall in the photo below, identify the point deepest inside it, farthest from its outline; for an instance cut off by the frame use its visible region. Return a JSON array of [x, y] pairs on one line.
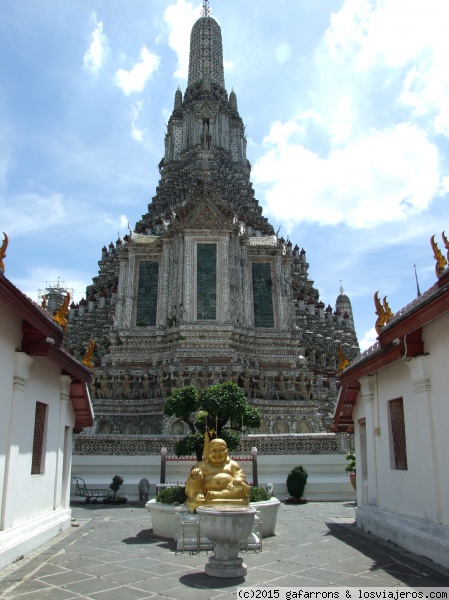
[[408, 506], [34, 508], [436, 343], [327, 479]]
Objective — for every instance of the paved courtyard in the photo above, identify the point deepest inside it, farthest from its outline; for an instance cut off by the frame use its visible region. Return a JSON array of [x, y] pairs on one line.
[[113, 554]]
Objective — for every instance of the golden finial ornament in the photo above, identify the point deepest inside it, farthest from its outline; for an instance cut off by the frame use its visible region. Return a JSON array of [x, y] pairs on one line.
[[87, 360], [60, 315], [387, 309], [343, 361], [446, 243], [438, 256], [3, 252], [383, 312], [44, 302]]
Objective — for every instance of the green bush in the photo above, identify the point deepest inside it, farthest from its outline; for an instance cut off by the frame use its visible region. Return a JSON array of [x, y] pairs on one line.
[[350, 468], [259, 494], [117, 481], [296, 482], [170, 495]]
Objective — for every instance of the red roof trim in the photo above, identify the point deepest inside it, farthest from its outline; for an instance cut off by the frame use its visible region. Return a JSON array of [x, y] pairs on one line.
[[43, 337], [79, 396], [30, 312], [400, 339], [424, 313]]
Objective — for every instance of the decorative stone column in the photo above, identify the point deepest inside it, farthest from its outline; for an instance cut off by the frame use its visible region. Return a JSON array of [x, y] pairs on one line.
[[65, 382], [430, 484], [64, 389], [368, 389], [22, 364]]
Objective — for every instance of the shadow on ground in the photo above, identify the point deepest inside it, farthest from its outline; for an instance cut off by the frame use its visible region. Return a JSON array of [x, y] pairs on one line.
[[398, 563]]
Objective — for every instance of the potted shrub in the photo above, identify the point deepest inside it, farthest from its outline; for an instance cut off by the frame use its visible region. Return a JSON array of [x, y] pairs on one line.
[[168, 505], [172, 495], [350, 468], [296, 483], [117, 482], [267, 506]]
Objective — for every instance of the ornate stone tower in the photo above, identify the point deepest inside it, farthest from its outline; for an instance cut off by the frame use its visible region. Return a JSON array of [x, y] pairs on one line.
[[203, 291]]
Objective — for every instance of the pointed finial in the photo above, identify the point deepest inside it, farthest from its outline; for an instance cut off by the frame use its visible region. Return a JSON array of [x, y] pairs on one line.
[[383, 312], [3, 252], [87, 360], [418, 291], [60, 315], [206, 11], [441, 261], [343, 361], [341, 288]]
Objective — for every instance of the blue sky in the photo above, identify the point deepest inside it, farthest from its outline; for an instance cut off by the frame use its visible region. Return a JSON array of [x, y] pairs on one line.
[[346, 106]]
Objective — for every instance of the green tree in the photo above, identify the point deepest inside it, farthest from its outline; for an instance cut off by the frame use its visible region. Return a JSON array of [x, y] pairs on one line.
[[222, 408]]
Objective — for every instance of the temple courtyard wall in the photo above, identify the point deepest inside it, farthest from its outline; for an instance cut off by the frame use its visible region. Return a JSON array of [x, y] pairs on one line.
[[321, 454]]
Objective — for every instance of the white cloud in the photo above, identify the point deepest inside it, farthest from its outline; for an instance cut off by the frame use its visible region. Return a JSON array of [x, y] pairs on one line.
[[378, 178], [27, 213], [283, 52], [124, 222], [180, 18], [397, 34], [368, 339], [135, 79], [96, 54], [135, 131]]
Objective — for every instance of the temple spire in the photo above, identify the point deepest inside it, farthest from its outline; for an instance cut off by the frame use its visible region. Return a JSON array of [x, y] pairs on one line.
[[206, 10], [206, 50]]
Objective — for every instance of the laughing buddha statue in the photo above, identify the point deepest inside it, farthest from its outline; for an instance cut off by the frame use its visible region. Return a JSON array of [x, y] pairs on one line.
[[216, 479]]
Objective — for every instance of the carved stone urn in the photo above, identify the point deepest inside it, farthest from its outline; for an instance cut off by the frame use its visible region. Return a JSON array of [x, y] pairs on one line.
[[226, 525]]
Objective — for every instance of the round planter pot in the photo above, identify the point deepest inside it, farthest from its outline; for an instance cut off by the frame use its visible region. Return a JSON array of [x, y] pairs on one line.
[[353, 480], [267, 512], [164, 518]]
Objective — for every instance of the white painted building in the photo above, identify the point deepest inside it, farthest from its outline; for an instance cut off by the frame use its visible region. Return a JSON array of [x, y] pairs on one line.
[[395, 398], [43, 399]]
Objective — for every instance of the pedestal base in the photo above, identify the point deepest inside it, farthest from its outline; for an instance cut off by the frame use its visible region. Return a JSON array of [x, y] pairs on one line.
[[225, 568], [226, 526]]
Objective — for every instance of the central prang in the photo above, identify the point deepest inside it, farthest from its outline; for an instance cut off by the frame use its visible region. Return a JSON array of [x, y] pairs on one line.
[[216, 479]]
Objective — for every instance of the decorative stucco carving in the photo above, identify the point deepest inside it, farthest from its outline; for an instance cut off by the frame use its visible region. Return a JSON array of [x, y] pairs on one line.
[[22, 364]]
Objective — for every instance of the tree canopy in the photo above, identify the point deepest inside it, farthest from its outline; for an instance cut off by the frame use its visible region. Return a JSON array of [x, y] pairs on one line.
[[222, 408]]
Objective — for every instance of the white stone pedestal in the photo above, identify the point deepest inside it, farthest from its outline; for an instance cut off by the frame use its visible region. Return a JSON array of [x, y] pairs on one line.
[[226, 526]]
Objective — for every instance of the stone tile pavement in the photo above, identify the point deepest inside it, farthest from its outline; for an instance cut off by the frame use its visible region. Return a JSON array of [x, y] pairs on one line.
[[113, 555]]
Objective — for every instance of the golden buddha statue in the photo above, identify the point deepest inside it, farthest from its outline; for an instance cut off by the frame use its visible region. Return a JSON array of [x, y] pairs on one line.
[[216, 479]]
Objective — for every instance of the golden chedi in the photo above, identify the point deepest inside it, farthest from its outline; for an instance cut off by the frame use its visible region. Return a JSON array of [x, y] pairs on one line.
[[216, 479]]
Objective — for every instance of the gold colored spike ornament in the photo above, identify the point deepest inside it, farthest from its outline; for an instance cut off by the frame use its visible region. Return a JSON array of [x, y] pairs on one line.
[[3, 253], [87, 360], [60, 315], [438, 256], [446, 243], [383, 312], [343, 361]]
